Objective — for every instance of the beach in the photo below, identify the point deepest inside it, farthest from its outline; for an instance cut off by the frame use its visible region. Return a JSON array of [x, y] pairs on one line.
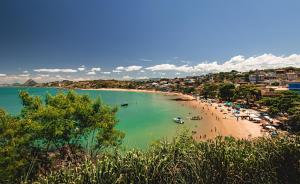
[[213, 122], [219, 124]]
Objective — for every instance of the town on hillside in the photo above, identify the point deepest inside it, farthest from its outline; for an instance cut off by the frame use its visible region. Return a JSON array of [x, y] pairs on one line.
[[268, 81]]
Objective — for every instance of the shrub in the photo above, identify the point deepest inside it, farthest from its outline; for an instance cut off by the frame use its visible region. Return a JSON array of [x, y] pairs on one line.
[[223, 160]]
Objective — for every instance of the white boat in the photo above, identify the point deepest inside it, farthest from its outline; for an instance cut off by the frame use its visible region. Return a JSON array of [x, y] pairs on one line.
[[178, 120]]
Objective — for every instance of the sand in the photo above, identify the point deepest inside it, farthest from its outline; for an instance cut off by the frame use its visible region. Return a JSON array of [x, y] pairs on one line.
[[214, 122]]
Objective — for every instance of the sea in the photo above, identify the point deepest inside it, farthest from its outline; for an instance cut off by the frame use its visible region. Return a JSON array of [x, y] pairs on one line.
[[147, 118]]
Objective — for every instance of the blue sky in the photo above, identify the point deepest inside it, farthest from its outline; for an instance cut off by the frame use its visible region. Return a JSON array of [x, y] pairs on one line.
[[50, 40]]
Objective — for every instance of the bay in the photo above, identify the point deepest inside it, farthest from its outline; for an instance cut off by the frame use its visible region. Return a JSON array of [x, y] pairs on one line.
[[147, 118]]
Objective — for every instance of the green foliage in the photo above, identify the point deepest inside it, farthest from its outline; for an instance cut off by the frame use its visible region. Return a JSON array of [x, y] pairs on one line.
[[62, 121], [248, 92], [210, 90], [288, 102], [282, 103], [16, 138], [275, 84], [226, 91], [294, 118], [188, 90], [183, 160]]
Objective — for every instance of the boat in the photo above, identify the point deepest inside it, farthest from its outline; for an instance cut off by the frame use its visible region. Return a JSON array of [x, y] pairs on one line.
[[124, 105], [178, 120], [195, 118]]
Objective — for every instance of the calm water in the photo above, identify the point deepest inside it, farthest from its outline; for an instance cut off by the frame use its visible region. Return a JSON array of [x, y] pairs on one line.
[[147, 118]]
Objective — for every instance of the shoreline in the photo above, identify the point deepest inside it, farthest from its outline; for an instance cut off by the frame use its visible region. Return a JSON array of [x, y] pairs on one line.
[[214, 123], [134, 90]]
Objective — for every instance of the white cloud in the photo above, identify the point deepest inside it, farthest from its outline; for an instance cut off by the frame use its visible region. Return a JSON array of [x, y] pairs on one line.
[[127, 77], [96, 69], [2, 75], [25, 71], [239, 63], [106, 73], [91, 73], [170, 67], [143, 77], [119, 68], [116, 71], [56, 70], [81, 68], [133, 68], [128, 68], [43, 75], [142, 71]]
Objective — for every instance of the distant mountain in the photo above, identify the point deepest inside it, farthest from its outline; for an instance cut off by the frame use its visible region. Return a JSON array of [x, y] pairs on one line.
[[30, 82], [16, 84]]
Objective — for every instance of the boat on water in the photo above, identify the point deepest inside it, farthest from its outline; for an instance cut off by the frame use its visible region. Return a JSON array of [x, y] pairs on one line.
[[196, 118], [124, 105], [178, 120]]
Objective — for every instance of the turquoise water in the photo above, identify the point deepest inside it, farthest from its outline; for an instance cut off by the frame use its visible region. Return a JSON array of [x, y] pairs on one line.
[[147, 118]]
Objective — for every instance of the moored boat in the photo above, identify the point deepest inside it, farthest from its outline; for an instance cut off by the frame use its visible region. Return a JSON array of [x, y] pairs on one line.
[[195, 118], [124, 105], [178, 120]]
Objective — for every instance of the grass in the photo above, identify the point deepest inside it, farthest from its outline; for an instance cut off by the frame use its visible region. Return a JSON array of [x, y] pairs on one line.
[[222, 160]]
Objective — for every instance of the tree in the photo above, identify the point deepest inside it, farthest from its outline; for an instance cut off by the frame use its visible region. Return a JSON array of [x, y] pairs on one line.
[[188, 90], [209, 90], [16, 141], [282, 103], [294, 119], [226, 91], [62, 121], [287, 102], [275, 84], [248, 92], [68, 118]]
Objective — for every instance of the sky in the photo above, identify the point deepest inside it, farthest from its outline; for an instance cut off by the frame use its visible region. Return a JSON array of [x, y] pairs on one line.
[[139, 39]]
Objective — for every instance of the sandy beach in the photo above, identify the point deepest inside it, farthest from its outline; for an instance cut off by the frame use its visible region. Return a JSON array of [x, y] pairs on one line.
[[138, 90], [213, 122]]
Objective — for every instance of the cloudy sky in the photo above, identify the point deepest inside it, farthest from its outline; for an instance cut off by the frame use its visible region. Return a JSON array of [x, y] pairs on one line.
[[80, 40]]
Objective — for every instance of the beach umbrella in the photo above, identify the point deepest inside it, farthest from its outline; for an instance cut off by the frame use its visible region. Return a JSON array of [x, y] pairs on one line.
[[238, 106]]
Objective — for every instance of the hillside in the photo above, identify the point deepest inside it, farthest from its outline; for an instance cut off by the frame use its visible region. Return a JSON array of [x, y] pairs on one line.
[[30, 82]]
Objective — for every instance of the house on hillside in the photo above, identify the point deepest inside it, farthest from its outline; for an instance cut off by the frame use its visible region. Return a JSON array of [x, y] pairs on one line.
[[257, 78], [280, 74], [291, 76]]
